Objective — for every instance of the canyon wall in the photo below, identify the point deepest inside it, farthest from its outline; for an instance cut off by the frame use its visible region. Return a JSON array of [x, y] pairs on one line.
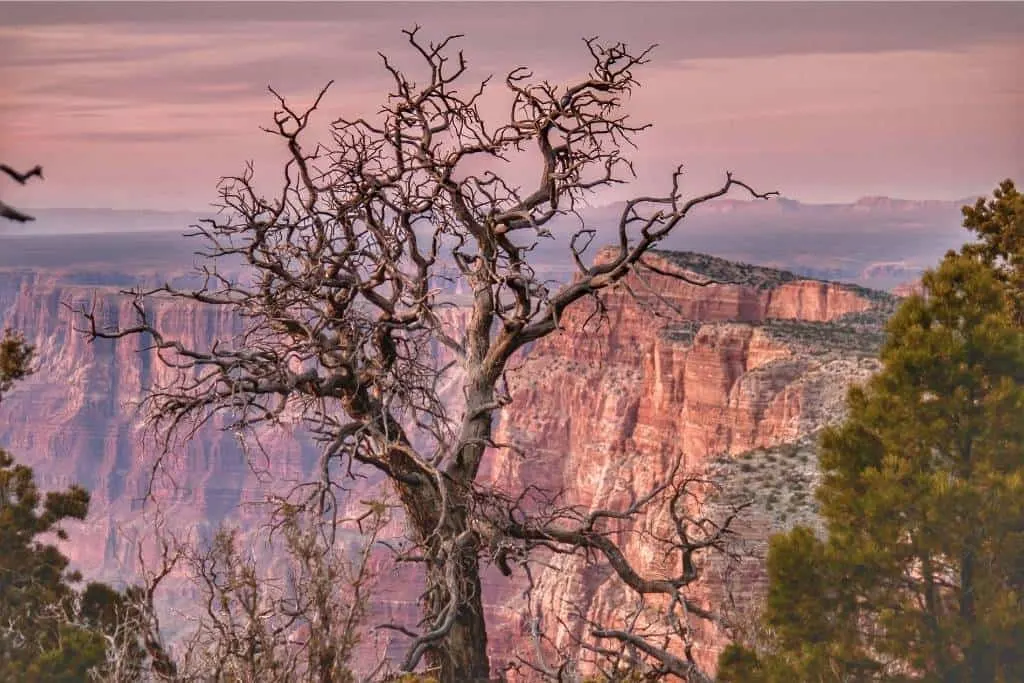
[[78, 419], [731, 376]]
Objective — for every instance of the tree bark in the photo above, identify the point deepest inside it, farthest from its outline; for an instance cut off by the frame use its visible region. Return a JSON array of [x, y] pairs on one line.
[[440, 522], [461, 657], [978, 658]]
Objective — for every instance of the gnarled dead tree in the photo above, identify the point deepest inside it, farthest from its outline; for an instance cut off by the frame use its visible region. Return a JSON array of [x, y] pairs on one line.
[[303, 625], [347, 282], [299, 621]]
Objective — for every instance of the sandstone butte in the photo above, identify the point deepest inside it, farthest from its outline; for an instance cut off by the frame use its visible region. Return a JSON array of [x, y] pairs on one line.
[[733, 380]]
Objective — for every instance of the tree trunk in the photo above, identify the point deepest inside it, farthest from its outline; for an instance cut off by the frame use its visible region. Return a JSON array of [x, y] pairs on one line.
[[978, 658], [462, 656]]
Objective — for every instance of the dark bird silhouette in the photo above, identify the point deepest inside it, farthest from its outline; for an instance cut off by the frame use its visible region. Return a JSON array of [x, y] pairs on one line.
[[22, 178]]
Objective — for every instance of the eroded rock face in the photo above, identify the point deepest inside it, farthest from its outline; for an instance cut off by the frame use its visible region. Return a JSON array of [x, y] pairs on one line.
[[78, 419], [683, 373], [697, 370], [674, 371]]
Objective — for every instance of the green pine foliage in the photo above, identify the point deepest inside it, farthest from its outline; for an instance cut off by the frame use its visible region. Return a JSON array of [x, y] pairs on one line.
[[37, 596], [999, 226], [921, 577]]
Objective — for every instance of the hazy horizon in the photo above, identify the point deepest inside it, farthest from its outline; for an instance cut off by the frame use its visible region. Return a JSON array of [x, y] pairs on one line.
[[596, 206], [147, 105]]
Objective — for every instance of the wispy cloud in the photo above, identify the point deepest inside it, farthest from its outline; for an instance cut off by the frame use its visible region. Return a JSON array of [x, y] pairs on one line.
[[147, 104]]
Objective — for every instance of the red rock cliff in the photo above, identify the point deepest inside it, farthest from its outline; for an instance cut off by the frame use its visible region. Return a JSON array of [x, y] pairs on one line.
[[679, 371]]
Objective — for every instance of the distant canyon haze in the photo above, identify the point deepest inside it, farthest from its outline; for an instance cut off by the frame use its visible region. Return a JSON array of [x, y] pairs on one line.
[[878, 242]]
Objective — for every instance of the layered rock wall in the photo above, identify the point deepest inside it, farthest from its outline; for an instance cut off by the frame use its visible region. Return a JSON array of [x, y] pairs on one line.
[[79, 419], [716, 375], [690, 374]]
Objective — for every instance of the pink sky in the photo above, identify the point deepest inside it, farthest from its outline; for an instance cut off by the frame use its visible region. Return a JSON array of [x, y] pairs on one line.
[[145, 105]]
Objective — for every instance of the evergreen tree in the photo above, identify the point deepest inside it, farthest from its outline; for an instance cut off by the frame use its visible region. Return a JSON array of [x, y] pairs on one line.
[[922, 574], [50, 629], [999, 225], [37, 598]]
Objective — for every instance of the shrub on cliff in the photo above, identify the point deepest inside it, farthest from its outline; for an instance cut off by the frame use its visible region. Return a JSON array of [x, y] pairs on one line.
[[15, 357], [922, 574]]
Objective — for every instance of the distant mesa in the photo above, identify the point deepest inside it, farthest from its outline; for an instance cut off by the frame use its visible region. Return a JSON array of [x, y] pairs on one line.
[[908, 288]]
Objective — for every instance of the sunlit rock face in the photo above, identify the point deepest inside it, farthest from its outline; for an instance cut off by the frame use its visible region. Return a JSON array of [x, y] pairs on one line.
[[730, 380], [730, 377]]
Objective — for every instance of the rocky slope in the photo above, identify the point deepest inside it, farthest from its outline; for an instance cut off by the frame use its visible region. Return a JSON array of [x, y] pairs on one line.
[[734, 374]]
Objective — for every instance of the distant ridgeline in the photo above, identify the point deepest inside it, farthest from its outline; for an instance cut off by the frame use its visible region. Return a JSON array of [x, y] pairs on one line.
[[876, 242]]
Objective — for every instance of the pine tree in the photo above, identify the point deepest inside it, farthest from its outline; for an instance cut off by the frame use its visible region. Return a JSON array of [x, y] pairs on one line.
[[999, 225], [37, 597], [921, 576]]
